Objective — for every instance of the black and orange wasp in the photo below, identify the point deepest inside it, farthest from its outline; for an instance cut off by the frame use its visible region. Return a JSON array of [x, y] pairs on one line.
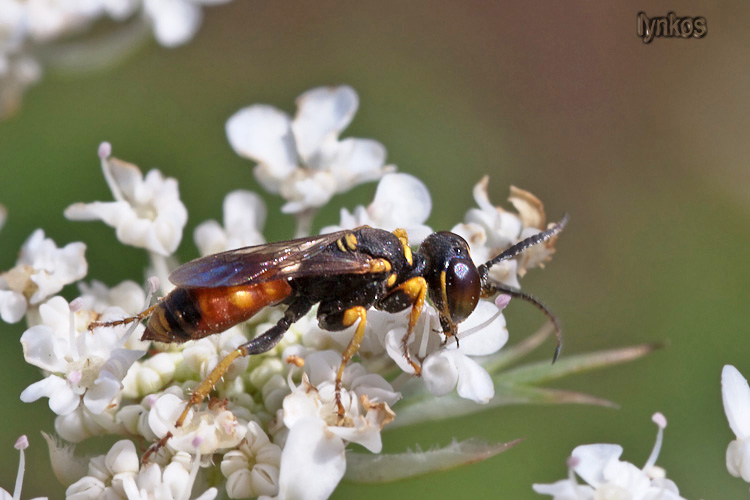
[[345, 273]]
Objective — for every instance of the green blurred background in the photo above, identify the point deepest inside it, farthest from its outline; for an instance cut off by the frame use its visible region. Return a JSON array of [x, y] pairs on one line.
[[644, 145]]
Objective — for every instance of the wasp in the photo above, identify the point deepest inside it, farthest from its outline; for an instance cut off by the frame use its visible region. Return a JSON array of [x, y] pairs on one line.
[[345, 273]]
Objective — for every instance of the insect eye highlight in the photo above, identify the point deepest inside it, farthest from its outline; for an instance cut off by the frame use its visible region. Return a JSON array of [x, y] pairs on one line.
[[462, 288]]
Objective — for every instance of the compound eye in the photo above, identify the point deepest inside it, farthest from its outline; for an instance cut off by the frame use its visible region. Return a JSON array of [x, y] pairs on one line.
[[462, 288]]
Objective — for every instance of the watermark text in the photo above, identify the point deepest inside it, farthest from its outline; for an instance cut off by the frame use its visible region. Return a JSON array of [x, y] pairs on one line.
[[670, 26]]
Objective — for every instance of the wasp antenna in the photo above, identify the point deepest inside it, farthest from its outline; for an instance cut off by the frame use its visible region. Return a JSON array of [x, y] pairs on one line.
[[516, 293], [524, 244]]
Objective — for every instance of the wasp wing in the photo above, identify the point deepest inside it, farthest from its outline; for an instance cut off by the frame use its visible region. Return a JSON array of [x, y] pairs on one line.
[[302, 257]]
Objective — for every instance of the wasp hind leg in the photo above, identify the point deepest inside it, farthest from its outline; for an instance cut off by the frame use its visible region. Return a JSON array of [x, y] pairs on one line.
[[350, 317], [331, 317], [260, 344]]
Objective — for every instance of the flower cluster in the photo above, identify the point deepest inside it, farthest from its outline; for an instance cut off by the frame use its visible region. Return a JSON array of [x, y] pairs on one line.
[[34, 33], [271, 427], [608, 477]]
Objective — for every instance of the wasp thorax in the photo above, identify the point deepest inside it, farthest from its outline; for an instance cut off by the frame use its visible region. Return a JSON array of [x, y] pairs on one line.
[[453, 279]]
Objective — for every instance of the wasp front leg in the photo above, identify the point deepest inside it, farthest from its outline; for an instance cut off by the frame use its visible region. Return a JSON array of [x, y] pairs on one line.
[[411, 292]]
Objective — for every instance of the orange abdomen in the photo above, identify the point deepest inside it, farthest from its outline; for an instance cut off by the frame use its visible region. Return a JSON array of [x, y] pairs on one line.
[[193, 313]]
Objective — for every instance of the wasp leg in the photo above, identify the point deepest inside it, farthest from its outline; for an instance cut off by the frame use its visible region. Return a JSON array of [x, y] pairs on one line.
[[412, 291], [492, 288], [260, 344], [351, 315], [125, 321]]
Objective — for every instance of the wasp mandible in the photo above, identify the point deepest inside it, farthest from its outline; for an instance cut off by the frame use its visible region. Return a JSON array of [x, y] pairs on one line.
[[346, 273]]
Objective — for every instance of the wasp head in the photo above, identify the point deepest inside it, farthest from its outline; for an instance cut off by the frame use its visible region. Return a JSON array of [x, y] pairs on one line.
[[452, 278]]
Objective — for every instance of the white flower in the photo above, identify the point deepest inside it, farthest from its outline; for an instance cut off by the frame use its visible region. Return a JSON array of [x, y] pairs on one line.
[[81, 424], [119, 475], [312, 460], [147, 212], [303, 159], [401, 201], [608, 477], [489, 230], [736, 396], [41, 271], [85, 368], [127, 298], [483, 333], [213, 428], [253, 468], [244, 218]]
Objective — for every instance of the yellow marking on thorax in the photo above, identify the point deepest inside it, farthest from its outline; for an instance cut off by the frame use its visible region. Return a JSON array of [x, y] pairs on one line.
[[340, 244], [351, 241], [404, 239], [380, 266], [391, 280]]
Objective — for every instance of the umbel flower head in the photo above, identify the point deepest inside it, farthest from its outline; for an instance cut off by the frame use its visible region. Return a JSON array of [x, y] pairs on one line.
[[607, 477], [275, 425]]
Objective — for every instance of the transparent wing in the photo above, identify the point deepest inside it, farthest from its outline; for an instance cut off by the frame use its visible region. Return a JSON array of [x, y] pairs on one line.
[[303, 257]]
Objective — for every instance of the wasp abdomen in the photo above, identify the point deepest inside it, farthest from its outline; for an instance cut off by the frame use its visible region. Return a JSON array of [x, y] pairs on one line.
[[193, 313]]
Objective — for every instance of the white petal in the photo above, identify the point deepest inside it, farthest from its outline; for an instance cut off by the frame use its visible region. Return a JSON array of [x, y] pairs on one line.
[[164, 414], [322, 113], [109, 212], [626, 476], [738, 459], [350, 162], [312, 463], [62, 400], [440, 373], [473, 381], [244, 216], [263, 133], [395, 350], [312, 189], [43, 349], [210, 238], [401, 200], [175, 21], [99, 396], [592, 460], [122, 458], [86, 488], [565, 490], [484, 332], [12, 306], [177, 479], [736, 396]]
